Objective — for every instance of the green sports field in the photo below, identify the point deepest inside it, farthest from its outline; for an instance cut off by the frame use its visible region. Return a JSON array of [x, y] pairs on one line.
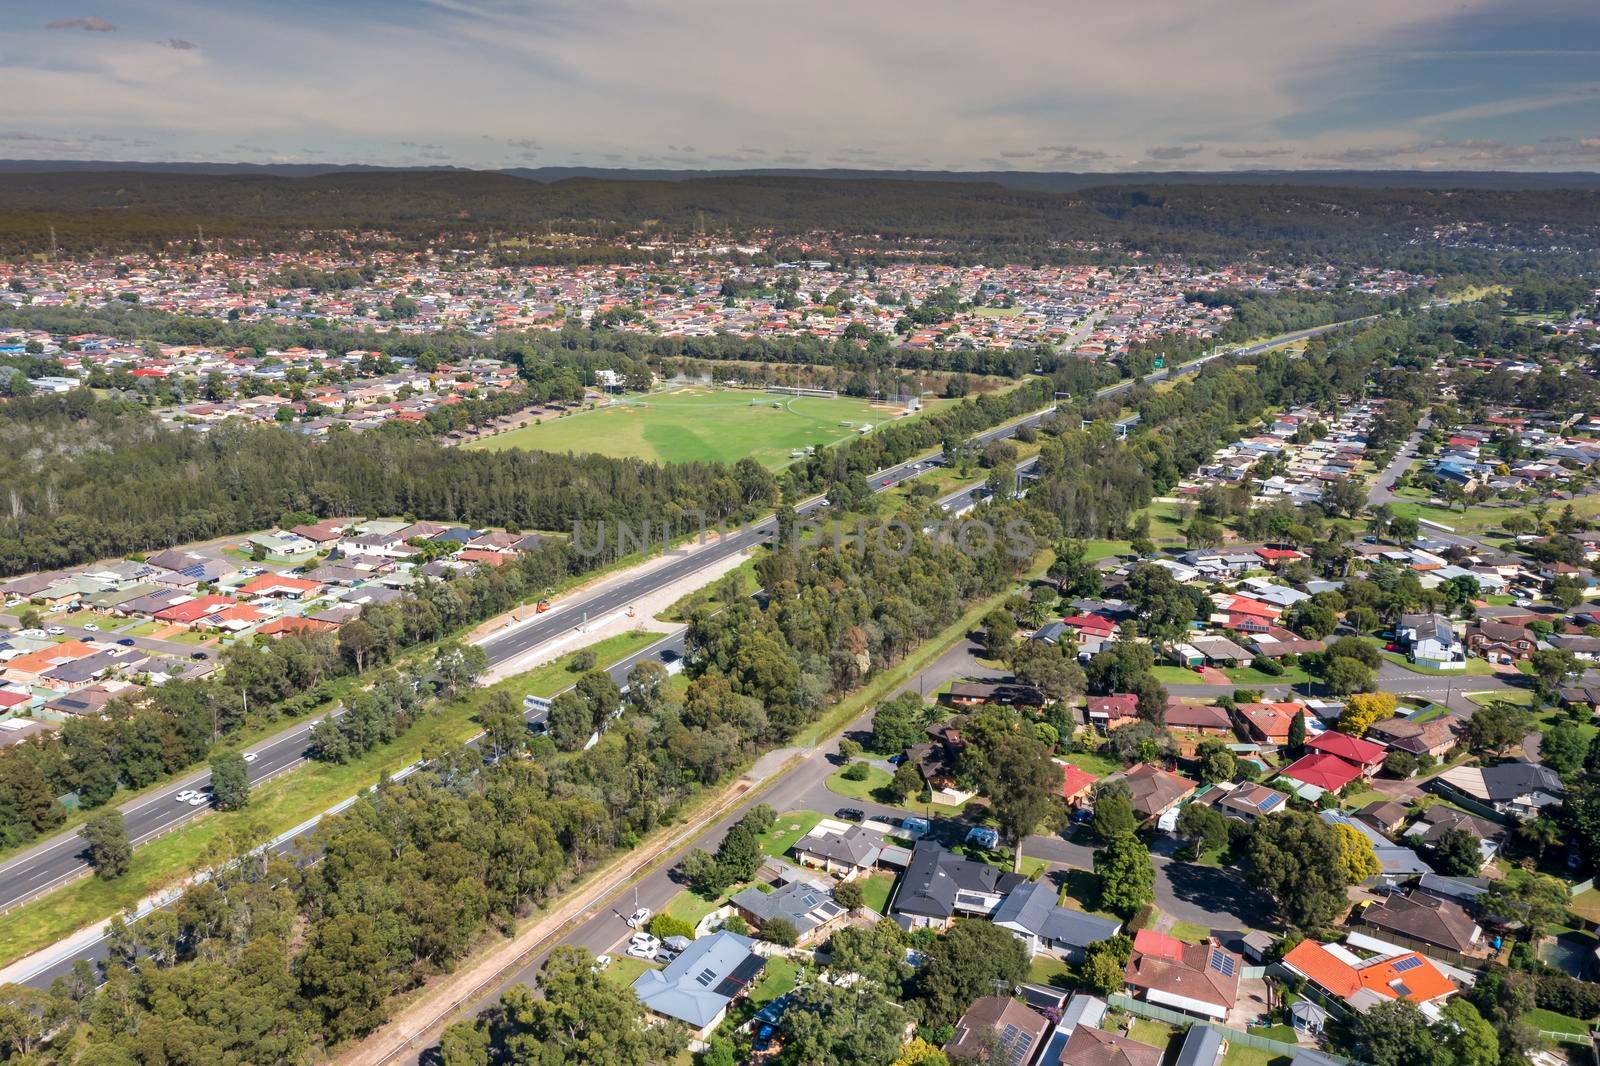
[[702, 424]]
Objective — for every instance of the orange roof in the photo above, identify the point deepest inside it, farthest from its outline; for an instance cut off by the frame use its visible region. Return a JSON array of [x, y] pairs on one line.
[[1075, 780], [296, 625], [1161, 945], [271, 582], [1396, 978], [38, 662]]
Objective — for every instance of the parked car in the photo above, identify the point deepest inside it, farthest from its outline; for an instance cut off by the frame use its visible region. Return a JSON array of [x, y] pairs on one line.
[[601, 962], [639, 918], [850, 814], [56, 631]]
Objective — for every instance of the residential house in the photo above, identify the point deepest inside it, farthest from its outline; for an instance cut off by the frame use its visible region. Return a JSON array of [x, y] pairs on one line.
[[1251, 801], [1434, 737], [1088, 1046], [1031, 912], [1077, 784], [279, 586], [998, 1031], [1194, 978], [1430, 640], [1154, 791], [1005, 694], [1364, 754], [1220, 651], [1268, 723], [805, 903], [1501, 641], [1517, 788], [939, 757], [939, 886], [1440, 819], [1110, 712], [1427, 920], [696, 987], [1396, 863], [1386, 816], [1363, 983], [839, 849]]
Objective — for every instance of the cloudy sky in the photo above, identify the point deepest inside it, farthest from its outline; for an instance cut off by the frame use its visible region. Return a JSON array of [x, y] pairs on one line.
[[943, 84]]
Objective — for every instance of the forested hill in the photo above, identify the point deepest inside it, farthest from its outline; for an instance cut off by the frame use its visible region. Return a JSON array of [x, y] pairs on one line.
[[987, 220]]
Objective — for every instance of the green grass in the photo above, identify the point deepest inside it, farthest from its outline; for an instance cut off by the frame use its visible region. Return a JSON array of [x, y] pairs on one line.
[[1189, 932], [1239, 1055], [1094, 762], [702, 425], [777, 977], [741, 579], [1284, 1033], [1048, 970], [275, 806], [1095, 550], [875, 891], [1249, 675], [1481, 518], [1168, 674], [858, 790], [1154, 1033], [787, 829], [1549, 1020], [1520, 696], [625, 969], [691, 907]]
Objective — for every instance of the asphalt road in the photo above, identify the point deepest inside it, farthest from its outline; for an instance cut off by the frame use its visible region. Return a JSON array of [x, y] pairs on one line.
[[60, 859]]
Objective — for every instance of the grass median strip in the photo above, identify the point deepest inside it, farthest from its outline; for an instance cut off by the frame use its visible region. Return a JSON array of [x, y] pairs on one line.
[[276, 806]]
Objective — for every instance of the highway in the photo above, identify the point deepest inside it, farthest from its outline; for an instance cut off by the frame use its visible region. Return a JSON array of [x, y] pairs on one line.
[[61, 858]]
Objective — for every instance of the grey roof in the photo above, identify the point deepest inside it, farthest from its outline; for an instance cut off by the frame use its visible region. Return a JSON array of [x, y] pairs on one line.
[[806, 904], [697, 985], [856, 846], [934, 876], [1460, 889], [1202, 1047], [1392, 858], [1077, 929], [1027, 907], [1518, 777]]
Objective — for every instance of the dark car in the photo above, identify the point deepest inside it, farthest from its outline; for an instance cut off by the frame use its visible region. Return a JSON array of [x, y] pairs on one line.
[[199, 655], [126, 642], [851, 814], [764, 1037], [896, 760]]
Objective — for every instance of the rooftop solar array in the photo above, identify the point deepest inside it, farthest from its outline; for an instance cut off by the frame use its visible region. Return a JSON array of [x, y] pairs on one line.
[[1223, 963], [1407, 964]]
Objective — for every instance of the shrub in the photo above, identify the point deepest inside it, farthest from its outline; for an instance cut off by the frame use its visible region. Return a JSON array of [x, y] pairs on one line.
[[848, 894], [663, 926], [779, 931], [856, 771]]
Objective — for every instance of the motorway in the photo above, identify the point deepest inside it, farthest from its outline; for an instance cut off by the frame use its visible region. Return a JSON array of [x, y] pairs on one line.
[[61, 858]]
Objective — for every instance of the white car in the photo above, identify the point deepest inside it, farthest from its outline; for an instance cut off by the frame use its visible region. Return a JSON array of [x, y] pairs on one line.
[[601, 962], [56, 631], [1524, 602], [199, 799], [644, 949], [91, 627], [186, 795], [249, 756], [638, 918]]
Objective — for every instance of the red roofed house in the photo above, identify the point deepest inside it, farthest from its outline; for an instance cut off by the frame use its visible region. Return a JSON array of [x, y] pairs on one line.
[[1076, 784], [1269, 722], [1363, 753], [280, 585], [1108, 712], [295, 625], [1364, 983], [196, 611], [1090, 625], [1274, 557], [1327, 772], [1198, 979]]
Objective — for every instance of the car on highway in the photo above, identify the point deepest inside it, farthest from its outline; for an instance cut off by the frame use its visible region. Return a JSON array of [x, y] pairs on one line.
[[887, 482], [639, 917], [850, 814], [249, 756], [186, 795], [199, 799]]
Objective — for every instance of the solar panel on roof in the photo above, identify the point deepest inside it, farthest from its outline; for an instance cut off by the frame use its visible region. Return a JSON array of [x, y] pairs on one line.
[[1407, 964], [1270, 802], [193, 571], [1222, 963], [705, 977]]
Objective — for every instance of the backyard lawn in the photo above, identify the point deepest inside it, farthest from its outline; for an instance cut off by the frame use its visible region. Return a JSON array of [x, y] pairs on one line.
[[625, 969], [875, 891], [777, 977], [1094, 762]]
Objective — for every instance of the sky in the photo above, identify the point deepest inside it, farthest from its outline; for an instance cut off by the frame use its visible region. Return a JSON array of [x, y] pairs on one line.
[[872, 84]]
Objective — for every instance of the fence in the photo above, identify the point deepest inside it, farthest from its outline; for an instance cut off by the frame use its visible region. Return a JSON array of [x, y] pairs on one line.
[[1233, 1036], [1580, 888], [791, 390]]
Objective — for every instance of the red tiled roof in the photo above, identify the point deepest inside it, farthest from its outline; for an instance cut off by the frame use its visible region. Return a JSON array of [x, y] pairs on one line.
[[1353, 749], [1074, 780], [1328, 772]]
